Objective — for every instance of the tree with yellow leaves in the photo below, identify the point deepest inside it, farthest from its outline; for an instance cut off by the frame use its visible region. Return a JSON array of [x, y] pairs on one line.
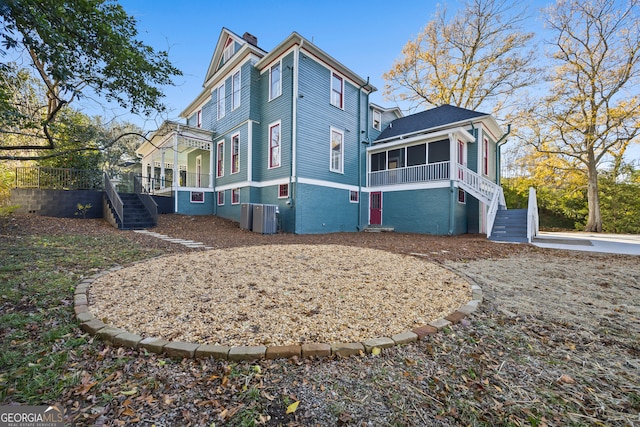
[[592, 111], [481, 56]]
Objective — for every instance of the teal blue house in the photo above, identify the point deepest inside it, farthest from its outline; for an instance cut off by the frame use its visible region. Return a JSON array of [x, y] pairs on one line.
[[294, 127]]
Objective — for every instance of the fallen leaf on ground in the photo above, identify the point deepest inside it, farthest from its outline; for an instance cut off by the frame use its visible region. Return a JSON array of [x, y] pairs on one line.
[[292, 408]]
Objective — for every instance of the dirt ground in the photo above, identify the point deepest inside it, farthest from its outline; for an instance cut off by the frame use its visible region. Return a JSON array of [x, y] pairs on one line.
[[556, 341]]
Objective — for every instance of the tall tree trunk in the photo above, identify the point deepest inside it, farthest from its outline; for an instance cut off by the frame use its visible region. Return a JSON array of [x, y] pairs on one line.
[[594, 220]]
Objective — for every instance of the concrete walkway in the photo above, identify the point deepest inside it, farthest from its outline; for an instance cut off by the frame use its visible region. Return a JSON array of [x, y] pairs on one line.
[[628, 244], [188, 243]]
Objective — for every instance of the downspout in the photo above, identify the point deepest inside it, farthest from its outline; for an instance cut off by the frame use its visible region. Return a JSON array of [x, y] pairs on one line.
[[452, 171], [360, 149], [294, 129], [498, 145]]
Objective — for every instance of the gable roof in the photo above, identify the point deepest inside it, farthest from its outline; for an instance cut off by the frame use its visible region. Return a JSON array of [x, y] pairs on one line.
[[308, 47], [248, 41], [426, 120]]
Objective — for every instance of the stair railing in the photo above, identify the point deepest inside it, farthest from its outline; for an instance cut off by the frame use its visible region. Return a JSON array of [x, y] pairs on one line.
[[114, 198], [150, 205], [533, 221], [478, 186], [496, 202]]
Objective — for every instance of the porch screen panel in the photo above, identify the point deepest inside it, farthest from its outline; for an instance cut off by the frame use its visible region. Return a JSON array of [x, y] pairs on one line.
[[417, 155], [439, 151], [378, 161], [396, 158]]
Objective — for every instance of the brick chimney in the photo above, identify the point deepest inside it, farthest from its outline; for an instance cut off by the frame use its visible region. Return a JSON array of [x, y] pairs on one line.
[[250, 38]]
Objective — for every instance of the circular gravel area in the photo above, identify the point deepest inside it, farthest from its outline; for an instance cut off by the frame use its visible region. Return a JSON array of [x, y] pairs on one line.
[[277, 295]]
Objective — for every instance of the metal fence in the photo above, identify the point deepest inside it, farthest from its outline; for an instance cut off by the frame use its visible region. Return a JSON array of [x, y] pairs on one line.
[[58, 178]]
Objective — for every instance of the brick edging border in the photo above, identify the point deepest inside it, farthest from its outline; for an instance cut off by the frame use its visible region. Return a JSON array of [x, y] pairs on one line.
[[179, 349]]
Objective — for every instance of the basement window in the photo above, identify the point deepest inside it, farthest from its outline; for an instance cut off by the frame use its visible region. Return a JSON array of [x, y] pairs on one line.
[[461, 196], [197, 197]]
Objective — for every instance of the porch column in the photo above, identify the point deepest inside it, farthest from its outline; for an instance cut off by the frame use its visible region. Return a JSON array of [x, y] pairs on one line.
[[153, 172], [453, 157], [176, 166], [176, 172], [211, 162], [162, 172]]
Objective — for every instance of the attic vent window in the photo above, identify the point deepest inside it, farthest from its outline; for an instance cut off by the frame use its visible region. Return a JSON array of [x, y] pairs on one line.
[[229, 50], [377, 119]]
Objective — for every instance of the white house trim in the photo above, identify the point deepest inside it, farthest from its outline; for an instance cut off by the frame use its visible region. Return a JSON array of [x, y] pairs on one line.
[[408, 187], [459, 132]]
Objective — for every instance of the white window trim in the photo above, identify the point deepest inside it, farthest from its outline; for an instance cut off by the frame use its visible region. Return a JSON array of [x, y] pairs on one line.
[[464, 197], [357, 196], [197, 201], [277, 123], [331, 131], [231, 168], [233, 191], [271, 95], [219, 173], [218, 198], [331, 89], [199, 118], [233, 90], [283, 197], [373, 119], [221, 111]]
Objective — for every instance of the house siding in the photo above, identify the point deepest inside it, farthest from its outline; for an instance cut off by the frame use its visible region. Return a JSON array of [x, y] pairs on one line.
[[460, 218], [278, 109], [228, 177], [316, 116], [324, 210], [186, 207], [191, 161], [417, 211]]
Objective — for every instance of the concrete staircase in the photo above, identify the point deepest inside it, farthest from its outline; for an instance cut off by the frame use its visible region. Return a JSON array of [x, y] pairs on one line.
[[510, 225], [377, 229], [136, 215]]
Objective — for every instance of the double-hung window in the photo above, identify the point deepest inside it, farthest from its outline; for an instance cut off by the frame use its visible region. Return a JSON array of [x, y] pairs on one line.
[[235, 90], [283, 191], [199, 118], [337, 90], [220, 198], [235, 153], [377, 119], [220, 101], [274, 145], [275, 81], [337, 151], [235, 196], [220, 153]]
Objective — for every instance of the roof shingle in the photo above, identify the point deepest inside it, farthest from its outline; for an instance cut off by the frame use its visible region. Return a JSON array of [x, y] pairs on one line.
[[429, 119]]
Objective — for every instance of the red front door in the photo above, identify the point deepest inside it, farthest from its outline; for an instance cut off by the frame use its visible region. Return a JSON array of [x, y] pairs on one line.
[[375, 208]]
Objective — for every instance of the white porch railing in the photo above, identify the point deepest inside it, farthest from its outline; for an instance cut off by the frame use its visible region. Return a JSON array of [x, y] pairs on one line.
[[533, 222], [478, 186], [197, 180], [420, 173]]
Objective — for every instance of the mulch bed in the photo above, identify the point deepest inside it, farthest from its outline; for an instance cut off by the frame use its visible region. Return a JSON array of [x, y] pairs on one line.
[[556, 342]]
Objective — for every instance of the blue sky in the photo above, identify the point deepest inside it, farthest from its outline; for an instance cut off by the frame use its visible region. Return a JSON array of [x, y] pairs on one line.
[[366, 36]]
